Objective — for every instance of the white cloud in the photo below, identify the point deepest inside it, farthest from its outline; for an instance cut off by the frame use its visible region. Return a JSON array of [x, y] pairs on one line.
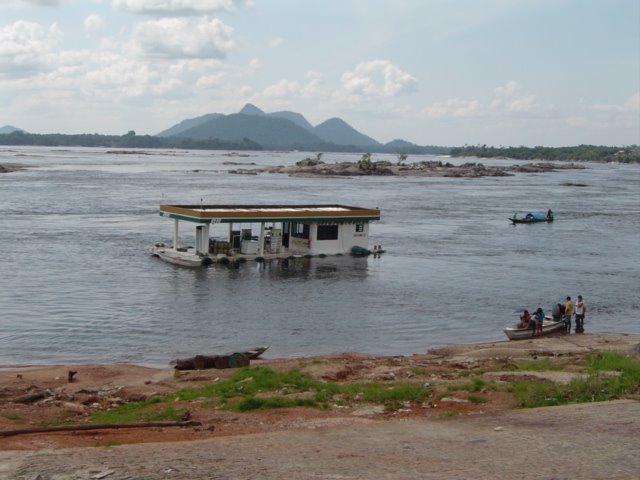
[[576, 121], [255, 64], [455, 107], [276, 42], [377, 79], [283, 89], [507, 100], [631, 105], [211, 81], [200, 37], [176, 7], [93, 25], [511, 98], [290, 90], [27, 47], [37, 3], [601, 117]]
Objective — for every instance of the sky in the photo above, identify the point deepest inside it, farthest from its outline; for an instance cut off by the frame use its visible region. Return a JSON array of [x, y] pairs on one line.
[[433, 72]]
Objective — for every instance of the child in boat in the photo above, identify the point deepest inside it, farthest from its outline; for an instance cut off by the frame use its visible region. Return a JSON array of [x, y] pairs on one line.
[[539, 318], [525, 320]]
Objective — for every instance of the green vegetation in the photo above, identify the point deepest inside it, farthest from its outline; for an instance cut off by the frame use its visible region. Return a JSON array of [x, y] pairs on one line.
[[476, 399], [604, 376], [540, 365], [260, 141], [598, 384], [476, 385], [262, 388], [580, 153], [128, 140], [13, 416], [137, 412], [370, 167]]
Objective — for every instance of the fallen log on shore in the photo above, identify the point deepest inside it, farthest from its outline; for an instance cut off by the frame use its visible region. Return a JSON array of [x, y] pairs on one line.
[[103, 426]]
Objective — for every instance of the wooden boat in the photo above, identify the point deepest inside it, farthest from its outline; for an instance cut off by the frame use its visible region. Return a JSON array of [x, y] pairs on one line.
[[255, 352], [548, 326], [227, 360], [531, 218]]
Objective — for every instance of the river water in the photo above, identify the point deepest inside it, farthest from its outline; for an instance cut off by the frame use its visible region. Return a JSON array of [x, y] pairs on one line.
[[77, 283]]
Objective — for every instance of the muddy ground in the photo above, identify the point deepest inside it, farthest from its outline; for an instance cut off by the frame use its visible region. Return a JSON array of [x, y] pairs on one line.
[[450, 438]]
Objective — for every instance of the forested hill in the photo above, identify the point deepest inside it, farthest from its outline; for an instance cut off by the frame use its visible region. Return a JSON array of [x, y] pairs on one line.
[[580, 153]]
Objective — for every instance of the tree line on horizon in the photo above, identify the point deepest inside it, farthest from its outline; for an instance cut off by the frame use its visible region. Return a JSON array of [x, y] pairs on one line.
[[131, 140], [580, 153]]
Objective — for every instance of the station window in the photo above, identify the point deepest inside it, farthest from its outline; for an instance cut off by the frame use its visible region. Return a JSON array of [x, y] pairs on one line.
[[300, 230], [359, 227], [327, 232]]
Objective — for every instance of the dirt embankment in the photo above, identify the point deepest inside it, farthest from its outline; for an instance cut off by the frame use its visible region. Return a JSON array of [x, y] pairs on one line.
[[33, 397], [448, 438]]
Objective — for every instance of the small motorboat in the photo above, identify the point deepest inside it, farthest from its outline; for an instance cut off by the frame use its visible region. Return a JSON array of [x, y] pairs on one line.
[[531, 217], [186, 257], [548, 326]]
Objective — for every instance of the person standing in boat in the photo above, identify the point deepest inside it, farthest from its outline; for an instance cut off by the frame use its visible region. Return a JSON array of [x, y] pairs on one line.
[[549, 215], [568, 313], [580, 311], [539, 318]]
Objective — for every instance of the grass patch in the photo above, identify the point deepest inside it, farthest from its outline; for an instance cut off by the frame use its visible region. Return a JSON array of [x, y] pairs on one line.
[[596, 386], [137, 412], [540, 365], [476, 399], [545, 364], [476, 385], [13, 417], [254, 403], [263, 388]]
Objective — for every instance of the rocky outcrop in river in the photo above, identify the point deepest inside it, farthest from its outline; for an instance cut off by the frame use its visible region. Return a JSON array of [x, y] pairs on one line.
[[317, 168]]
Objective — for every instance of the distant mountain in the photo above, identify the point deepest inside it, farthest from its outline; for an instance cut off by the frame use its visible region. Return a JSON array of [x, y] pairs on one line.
[[398, 143], [340, 132], [270, 132], [294, 117], [187, 124], [9, 129], [297, 118], [250, 109], [283, 130]]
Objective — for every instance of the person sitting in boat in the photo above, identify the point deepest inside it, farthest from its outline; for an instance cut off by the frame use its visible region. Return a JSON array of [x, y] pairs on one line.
[[525, 320], [539, 318]]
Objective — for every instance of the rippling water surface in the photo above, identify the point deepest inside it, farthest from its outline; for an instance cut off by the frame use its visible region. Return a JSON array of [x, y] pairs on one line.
[[77, 283]]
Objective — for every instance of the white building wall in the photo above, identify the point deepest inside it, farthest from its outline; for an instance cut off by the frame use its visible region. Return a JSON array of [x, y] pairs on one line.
[[347, 238]]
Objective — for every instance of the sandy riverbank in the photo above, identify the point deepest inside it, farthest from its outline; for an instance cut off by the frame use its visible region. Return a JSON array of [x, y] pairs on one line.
[[454, 438]]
